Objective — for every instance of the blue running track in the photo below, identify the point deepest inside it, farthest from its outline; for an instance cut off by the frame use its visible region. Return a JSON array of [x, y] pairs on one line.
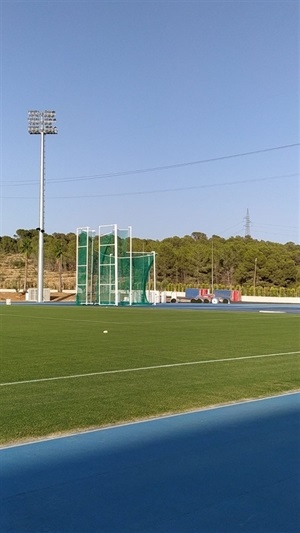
[[225, 470]]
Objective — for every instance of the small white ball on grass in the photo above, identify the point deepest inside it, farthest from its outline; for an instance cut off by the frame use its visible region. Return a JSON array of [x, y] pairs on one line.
[[105, 331]]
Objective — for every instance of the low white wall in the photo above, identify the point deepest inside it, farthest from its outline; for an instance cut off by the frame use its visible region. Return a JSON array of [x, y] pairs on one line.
[[161, 297], [8, 290], [271, 299]]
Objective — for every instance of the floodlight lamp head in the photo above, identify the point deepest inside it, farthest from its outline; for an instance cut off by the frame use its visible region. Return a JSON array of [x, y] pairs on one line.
[[41, 122]]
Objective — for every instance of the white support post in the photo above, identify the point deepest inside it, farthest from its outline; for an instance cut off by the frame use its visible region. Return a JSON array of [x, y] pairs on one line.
[[116, 266], [92, 268], [130, 264], [77, 260], [154, 276], [99, 266], [87, 268], [154, 270]]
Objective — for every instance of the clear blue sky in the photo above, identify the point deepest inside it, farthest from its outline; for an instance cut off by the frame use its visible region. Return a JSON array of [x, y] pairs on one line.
[[145, 84]]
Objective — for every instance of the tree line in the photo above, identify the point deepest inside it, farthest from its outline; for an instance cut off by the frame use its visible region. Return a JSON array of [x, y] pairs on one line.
[[190, 261]]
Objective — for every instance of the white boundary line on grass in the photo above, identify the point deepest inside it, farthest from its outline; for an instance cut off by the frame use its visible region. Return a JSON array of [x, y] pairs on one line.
[[139, 369]]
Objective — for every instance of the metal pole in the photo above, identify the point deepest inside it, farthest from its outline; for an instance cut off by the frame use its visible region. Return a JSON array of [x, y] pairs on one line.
[[87, 267], [92, 268], [99, 265], [40, 296], [77, 264], [109, 278], [254, 277], [116, 265], [212, 266], [130, 264], [41, 123], [154, 276]]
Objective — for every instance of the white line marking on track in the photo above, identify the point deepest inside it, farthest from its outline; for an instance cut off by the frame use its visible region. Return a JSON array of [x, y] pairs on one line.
[[272, 312], [139, 369]]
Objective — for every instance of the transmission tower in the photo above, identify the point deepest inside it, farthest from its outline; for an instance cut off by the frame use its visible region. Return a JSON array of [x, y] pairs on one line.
[[247, 224]]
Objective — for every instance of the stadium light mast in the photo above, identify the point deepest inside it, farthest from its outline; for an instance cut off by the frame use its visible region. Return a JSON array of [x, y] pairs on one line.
[[41, 123]]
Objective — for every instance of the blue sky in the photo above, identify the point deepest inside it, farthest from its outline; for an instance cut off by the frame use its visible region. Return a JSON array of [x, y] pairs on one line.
[[150, 84]]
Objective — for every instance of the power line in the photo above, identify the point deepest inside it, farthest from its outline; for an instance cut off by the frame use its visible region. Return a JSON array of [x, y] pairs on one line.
[[276, 226], [157, 168], [156, 191]]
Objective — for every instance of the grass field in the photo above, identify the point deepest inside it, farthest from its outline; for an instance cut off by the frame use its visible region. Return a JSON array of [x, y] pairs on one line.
[[60, 372]]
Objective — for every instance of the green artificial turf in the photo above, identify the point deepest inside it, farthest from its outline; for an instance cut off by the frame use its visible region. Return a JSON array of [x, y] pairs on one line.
[[42, 342]]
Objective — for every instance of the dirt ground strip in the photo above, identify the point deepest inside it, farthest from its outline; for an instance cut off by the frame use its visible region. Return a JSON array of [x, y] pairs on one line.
[[20, 297]]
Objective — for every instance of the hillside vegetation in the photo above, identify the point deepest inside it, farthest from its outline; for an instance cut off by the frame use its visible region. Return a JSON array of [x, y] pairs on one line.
[[194, 260]]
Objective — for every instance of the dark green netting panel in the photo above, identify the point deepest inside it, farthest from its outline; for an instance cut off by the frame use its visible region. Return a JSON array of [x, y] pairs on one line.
[[85, 258]]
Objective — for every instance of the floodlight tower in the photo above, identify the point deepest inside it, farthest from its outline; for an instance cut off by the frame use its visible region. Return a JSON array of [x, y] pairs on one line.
[[41, 123]]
